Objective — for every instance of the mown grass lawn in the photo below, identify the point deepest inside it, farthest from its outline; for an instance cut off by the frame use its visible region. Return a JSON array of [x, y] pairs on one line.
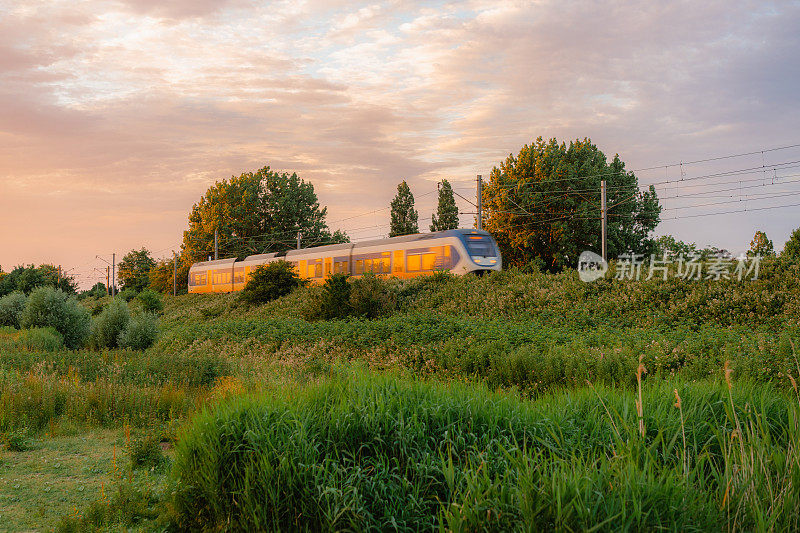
[[57, 476]]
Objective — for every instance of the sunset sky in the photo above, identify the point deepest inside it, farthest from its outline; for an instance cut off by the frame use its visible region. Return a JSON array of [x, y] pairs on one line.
[[115, 117]]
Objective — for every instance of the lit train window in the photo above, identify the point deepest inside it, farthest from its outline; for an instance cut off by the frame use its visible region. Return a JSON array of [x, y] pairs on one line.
[[311, 270], [414, 263], [318, 271], [359, 266]]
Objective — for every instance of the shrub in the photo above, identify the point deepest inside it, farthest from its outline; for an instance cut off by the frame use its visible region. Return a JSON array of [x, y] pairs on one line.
[[151, 301], [33, 339], [269, 282], [372, 297], [335, 298], [107, 328], [127, 294], [141, 333], [48, 307], [146, 452], [16, 440], [11, 307]]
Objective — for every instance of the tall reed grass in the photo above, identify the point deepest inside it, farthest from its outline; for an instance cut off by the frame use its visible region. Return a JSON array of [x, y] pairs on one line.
[[369, 452]]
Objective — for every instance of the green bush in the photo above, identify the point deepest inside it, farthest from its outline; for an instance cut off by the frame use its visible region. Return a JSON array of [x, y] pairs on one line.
[[16, 440], [269, 282], [48, 307], [141, 332], [372, 297], [127, 294], [11, 307], [146, 452], [335, 298], [33, 339], [112, 322], [152, 302]]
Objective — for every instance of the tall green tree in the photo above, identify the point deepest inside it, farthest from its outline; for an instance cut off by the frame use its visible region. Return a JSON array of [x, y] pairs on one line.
[[761, 245], [543, 205], [446, 216], [133, 271], [404, 216], [257, 212], [791, 250]]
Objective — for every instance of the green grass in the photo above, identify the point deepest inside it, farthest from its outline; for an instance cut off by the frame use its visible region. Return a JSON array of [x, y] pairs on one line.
[[58, 476], [359, 452], [524, 344]]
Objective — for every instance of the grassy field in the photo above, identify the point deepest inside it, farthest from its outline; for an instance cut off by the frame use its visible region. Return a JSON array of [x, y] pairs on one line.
[[504, 402]]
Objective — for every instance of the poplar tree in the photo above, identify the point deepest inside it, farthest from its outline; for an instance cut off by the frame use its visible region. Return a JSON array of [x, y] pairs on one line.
[[404, 216], [446, 216]]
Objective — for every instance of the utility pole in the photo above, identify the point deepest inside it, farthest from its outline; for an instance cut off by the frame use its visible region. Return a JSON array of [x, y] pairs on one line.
[[114, 274], [174, 273], [298, 239], [479, 224], [108, 279], [603, 217], [216, 249]]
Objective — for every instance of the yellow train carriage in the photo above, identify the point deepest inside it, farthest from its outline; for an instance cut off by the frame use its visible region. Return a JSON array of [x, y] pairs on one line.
[[457, 251]]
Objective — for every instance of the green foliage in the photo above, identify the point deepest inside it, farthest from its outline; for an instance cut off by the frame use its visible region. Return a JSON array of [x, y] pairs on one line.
[[151, 301], [404, 216], [129, 505], [98, 290], [110, 325], [140, 333], [11, 307], [27, 278], [335, 298], [530, 210], [446, 216], [134, 270], [48, 307], [16, 440], [761, 245], [669, 245], [372, 296], [358, 451], [271, 281], [127, 294], [255, 213], [791, 250], [34, 339], [162, 274], [146, 452]]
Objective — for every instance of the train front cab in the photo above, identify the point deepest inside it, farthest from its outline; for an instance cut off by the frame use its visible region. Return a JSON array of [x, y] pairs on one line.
[[482, 251]]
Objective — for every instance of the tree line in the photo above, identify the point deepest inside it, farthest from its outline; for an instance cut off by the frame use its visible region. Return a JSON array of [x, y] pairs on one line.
[[541, 205]]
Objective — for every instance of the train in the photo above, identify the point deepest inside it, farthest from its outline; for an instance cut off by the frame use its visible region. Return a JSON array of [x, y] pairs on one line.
[[460, 251]]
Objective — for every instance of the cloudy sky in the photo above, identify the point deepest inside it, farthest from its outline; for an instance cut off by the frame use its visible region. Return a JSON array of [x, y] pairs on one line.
[[116, 116]]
